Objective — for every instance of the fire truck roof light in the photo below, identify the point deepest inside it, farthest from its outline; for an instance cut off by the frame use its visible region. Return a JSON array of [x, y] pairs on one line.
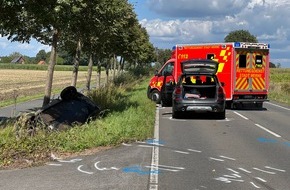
[[237, 44]]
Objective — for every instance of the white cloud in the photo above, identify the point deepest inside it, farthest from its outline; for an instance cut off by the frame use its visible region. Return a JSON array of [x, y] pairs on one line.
[[197, 8], [188, 21]]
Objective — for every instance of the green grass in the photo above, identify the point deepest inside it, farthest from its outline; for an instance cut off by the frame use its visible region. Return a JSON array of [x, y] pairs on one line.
[[280, 85], [124, 122]]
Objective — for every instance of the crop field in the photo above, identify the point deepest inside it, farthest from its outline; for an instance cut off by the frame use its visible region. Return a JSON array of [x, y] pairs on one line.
[[18, 83]]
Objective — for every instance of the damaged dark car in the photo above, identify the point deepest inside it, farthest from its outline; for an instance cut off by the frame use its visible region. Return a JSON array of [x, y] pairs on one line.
[[71, 109]]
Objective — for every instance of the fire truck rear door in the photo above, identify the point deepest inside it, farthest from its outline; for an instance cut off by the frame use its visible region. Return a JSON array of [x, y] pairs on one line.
[[250, 70]]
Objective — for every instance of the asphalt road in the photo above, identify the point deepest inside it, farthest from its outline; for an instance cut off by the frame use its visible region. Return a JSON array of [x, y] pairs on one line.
[[14, 110], [250, 149]]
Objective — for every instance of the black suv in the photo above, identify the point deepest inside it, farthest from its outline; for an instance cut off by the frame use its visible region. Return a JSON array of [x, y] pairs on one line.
[[198, 89]]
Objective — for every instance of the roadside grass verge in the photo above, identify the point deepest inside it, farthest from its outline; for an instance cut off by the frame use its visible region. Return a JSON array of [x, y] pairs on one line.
[[128, 118], [280, 85]]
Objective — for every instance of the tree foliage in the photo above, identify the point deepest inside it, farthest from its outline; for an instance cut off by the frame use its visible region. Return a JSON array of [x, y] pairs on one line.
[[101, 29], [240, 36]]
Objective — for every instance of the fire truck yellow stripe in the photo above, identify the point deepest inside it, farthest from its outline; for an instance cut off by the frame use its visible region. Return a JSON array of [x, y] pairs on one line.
[[223, 53], [221, 67], [248, 60]]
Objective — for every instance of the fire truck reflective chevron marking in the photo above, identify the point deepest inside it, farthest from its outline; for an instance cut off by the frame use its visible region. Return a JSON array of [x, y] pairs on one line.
[[242, 84], [258, 84]]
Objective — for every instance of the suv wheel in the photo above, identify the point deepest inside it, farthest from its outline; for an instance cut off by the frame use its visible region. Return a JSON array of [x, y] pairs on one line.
[[175, 114], [221, 115]]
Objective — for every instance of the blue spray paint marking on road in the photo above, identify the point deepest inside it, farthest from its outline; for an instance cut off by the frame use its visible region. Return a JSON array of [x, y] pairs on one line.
[[266, 140], [287, 143], [153, 141], [138, 170]]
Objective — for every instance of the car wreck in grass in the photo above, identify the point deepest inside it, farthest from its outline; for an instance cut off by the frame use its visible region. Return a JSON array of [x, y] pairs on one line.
[[72, 108]]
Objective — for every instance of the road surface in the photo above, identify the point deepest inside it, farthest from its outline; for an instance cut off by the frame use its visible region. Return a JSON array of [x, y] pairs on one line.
[[250, 149]]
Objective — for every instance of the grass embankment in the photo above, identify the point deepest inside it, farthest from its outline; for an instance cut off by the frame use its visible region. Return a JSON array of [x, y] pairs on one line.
[[124, 121], [280, 85]]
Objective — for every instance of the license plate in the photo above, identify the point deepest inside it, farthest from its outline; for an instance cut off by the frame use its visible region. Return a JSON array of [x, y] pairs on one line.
[[199, 108]]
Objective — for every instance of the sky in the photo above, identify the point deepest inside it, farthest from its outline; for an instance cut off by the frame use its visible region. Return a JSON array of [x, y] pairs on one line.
[[170, 22]]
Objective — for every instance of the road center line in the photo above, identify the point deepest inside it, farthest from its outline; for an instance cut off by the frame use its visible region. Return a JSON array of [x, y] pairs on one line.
[[155, 156], [267, 130], [241, 115]]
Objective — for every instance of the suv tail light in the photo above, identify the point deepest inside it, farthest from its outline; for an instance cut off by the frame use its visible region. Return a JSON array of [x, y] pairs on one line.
[[178, 90], [177, 94]]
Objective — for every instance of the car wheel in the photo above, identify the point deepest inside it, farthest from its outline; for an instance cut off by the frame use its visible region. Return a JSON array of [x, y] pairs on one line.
[[221, 115], [155, 96], [175, 114], [69, 93]]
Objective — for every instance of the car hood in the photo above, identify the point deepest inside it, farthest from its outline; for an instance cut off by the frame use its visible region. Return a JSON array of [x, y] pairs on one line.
[[200, 66]]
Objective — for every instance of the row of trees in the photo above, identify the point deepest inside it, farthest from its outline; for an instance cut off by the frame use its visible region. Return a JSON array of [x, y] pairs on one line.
[[100, 29]]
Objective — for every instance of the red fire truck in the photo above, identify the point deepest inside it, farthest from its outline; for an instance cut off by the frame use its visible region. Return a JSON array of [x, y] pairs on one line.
[[243, 68]]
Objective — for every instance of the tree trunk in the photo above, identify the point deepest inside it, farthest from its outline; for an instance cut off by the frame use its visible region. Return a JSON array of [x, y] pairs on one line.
[[114, 66], [99, 72], [123, 64], [107, 71], [50, 71], [76, 64], [90, 70]]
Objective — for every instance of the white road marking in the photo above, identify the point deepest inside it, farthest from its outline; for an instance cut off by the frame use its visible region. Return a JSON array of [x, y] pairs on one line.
[[267, 130], [279, 170], [241, 115], [264, 171], [79, 169], [168, 168], [104, 169], [181, 152], [230, 176], [234, 171], [70, 161], [256, 186], [174, 167], [278, 106], [225, 157], [261, 179], [50, 164], [155, 156], [216, 159], [227, 180], [192, 150], [244, 170]]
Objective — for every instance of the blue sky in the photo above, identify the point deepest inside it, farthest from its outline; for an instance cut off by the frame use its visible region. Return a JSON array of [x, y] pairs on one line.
[[170, 22]]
